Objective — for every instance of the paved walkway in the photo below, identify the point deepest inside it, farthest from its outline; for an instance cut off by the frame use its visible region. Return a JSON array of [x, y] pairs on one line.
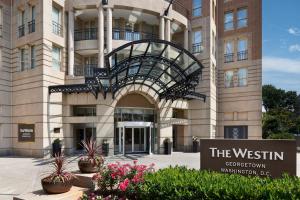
[[22, 175]]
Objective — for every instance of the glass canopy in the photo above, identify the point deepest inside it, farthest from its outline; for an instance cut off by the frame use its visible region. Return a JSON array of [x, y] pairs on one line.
[[171, 71]]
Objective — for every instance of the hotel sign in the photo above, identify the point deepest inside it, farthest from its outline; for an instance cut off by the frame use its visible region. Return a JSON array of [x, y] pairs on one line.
[[26, 133], [249, 157]]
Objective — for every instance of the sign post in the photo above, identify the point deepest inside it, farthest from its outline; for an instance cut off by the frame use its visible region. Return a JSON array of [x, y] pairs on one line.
[[270, 158]]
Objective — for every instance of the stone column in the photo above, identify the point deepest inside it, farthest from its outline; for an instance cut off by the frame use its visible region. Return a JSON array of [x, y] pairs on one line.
[[162, 28], [109, 30], [186, 39], [100, 36], [168, 30], [71, 43]]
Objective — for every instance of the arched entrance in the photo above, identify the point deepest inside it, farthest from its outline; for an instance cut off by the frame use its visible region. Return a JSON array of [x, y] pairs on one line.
[[135, 125]]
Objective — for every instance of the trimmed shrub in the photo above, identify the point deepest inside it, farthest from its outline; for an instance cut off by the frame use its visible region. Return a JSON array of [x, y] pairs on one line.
[[182, 183], [281, 136]]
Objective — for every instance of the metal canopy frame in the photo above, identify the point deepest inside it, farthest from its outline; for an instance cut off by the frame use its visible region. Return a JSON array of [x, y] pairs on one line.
[[169, 70]]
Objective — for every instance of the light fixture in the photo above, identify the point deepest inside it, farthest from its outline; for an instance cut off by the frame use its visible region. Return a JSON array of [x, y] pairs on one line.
[[104, 2]]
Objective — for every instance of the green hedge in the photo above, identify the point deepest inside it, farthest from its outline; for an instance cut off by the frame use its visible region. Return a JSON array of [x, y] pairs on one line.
[[181, 183], [279, 136]]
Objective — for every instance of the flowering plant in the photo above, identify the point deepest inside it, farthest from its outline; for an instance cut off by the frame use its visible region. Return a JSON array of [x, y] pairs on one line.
[[121, 180]]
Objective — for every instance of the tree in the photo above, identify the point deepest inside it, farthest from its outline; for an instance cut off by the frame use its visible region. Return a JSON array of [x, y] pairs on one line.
[[282, 111]]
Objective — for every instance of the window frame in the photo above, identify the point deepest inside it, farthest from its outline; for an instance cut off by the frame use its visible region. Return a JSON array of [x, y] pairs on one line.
[[243, 78], [197, 10], [238, 20], [32, 57], [231, 84], [229, 22], [54, 60], [22, 60]]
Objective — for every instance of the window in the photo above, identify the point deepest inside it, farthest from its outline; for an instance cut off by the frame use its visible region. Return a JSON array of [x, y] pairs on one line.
[[242, 77], [21, 28], [197, 8], [56, 25], [242, 18], [31, 24], [236, 132], [228, 21], [242, 49], [56, 58], [228, 49], [229, 82], [81, 111], [32, 55], [197, 42], [22, 59]]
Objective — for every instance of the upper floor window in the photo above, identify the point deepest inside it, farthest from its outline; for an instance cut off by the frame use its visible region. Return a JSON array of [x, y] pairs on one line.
[[242, 49], [56, 58], [56, 21], [242, 18], [21, 28], [228, 52], [32, 55], [228, 21], [197, 42], [197, 8], [229, 81], [22, 60], [31, 24], [242, 77], [213, 49]]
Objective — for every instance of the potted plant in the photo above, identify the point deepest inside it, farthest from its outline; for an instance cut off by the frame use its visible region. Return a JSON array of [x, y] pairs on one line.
[[92, 161], [168, 146], [196, 144], [56, 147], [59, 181]]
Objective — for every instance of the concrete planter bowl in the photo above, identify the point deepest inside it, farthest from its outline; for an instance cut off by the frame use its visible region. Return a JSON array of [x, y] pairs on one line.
[[86, 166], [55, 188]]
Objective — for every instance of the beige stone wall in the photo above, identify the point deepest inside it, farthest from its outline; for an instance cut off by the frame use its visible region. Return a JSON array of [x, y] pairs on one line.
[[5, 79]]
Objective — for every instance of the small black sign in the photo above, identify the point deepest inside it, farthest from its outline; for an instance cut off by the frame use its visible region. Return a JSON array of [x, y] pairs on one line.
[[26, 133]]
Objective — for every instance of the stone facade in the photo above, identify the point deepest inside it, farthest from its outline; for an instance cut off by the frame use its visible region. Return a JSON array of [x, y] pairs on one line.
[[72, 36]]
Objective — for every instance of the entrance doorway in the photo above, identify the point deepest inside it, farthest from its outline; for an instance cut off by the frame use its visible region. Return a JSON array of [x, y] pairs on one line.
[[134, 137], [83, 134]]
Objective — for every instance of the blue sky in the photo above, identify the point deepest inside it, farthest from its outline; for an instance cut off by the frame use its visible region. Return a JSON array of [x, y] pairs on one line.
[[281, 43]]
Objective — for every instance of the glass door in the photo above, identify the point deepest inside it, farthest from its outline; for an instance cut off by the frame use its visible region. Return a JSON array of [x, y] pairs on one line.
[[128, 140], [139, 144]]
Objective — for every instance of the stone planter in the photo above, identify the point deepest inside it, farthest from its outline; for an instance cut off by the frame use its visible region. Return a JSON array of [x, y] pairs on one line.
[[87, 167], [55, 188]]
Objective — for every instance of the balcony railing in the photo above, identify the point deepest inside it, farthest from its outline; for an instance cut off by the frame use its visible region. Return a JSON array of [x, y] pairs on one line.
[[56, 28], [197, 48], [31, 26], [242, 55], [121, 34], [86, 34], [21, 30], [85, 70], [229, 57]]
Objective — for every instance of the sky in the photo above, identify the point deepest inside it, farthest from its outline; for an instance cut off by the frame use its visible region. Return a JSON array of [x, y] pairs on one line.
[[281, 44]]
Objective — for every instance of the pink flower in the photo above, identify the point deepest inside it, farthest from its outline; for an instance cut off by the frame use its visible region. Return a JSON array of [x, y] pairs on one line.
[[123, 185], [135, 162]]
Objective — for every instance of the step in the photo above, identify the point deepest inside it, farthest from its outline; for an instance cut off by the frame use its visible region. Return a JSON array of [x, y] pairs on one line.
[[83, 180], [73, 194]]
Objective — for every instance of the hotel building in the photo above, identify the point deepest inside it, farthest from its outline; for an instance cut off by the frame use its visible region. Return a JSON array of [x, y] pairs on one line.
[[130, 73]]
